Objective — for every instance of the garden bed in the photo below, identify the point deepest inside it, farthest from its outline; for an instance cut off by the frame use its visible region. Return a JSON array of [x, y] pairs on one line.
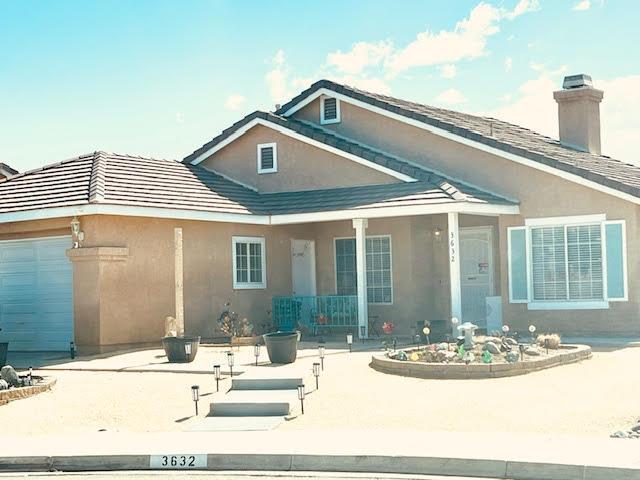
[[457, 369], [16, 393]]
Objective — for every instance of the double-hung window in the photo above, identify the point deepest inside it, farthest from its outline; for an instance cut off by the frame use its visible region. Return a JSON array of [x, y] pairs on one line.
[[249, 262], [378, 268], [567, 263]]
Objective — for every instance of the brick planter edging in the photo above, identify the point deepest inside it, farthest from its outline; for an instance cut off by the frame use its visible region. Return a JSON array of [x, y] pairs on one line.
[[381, 363], [23, 392]]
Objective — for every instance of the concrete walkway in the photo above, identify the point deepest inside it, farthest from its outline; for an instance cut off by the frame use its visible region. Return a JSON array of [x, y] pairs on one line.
[[410, 452]]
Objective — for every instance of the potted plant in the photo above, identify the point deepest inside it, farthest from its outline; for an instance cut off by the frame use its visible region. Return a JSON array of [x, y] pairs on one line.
[[239, 330], [179, 348]]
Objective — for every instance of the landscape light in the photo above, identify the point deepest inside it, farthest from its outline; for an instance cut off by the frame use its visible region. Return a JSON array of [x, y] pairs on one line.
[[426, 331], [349, 340], [187, 348], [321, 353], [216, 372], [72, 350], [505, 329], [230, 362], [256, 352], [316, 372], [532, 331], [362, 332], [195, 394], [301, 397]]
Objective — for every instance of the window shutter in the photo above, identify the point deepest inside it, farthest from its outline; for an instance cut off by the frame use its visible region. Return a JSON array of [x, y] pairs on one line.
[[266, 158], [330, 109], [616, 255], [517, 239]]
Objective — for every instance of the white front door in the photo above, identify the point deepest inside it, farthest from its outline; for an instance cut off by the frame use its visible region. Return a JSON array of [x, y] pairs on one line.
[[303, 267], [476, 273]]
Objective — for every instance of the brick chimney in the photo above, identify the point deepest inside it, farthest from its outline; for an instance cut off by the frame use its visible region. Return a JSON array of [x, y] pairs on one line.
[[579, 113]]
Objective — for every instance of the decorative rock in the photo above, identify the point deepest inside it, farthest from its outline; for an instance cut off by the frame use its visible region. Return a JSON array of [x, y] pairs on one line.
[[510, 341], [533, 351], [3, 385], [492, 348], [450, 356], [414, 357], [620, 434], [468, 358], [9, 375], [443, 346], [512, 357], [401, 356]]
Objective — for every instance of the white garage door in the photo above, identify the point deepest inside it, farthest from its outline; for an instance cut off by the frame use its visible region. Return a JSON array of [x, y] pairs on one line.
[[36, 294]]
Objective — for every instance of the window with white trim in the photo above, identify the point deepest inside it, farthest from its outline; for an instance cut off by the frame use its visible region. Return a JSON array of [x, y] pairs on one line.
[[329, 110], [267, 158], [249, 262], [378, 268]]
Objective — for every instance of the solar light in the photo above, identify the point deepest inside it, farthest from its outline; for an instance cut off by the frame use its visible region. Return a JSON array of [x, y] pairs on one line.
[[363, 332], [532, 331], [349, 340], [521, 352], [30, 376], [230, 362], [426, 331], [301, 397], [316, 372], [187, 348], [455, 321], [216, 372], [256, 352], [505, 329], [546, 345], [195, 394], [321, 353], [395, 344], [72, 350]]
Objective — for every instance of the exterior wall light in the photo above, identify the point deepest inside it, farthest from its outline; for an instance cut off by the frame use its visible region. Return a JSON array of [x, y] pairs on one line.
[[350, 340], [316, 372], [76, 234], [230, 361], [321, 354], [216, 373], [195, 395], [256, 352], [301, 397], [437, 233]]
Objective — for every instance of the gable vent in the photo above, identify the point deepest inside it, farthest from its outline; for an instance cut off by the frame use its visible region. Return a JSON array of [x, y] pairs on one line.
[[267, 158], [329, 110]]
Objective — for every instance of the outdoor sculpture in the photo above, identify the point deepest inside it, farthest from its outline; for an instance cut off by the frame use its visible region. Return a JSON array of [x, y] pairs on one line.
[[468, 329]]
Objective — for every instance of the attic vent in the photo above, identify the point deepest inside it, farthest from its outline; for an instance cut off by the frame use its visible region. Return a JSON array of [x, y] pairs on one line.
[[329, 110], [267, 158]]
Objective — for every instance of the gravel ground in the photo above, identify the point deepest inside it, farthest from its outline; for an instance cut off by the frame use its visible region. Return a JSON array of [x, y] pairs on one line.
[[594, 397]]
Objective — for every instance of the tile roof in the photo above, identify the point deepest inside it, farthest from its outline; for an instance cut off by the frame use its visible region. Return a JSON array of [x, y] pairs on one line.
[[616, 174], [112, 179], [7, 170]]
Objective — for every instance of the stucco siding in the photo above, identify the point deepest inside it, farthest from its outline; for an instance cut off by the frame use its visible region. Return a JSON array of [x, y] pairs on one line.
[[300, 166]]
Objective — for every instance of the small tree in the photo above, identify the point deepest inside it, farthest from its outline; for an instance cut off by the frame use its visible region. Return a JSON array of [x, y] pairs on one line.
[[232, 325]]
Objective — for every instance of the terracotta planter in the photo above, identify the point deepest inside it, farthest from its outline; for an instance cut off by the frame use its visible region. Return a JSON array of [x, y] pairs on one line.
[[181, 349], [4, 346], [282, 347]]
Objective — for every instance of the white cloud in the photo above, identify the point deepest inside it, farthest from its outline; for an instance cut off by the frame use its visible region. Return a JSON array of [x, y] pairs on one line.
[[451, 96], [179, 117], [534, 108], [582, 6], [508, 64], [278, 77], [361, 55], [234, 102], [448, 71], [523, 6]]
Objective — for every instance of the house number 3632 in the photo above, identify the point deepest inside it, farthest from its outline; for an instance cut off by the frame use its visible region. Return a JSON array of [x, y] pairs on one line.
[[452, 247], [178, 461]]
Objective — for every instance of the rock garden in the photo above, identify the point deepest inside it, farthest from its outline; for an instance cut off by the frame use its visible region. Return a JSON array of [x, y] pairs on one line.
[[14, 386]]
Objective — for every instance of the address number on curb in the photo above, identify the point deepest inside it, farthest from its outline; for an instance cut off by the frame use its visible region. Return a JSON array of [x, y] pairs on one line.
[[178, 462]]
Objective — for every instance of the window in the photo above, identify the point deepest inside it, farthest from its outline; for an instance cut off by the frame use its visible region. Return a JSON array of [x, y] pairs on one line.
[[329, 110], [249, 265], [378, 268], [267, 158]]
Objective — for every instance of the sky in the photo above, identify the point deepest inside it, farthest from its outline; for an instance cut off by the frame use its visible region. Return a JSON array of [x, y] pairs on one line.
[[160, 78]]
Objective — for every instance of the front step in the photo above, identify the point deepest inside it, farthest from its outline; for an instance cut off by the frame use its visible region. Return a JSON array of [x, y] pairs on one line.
[[265, 383], [249, 403]]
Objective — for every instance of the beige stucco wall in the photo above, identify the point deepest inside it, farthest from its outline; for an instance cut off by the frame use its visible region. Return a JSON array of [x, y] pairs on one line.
[[540, 194], [300, 166]]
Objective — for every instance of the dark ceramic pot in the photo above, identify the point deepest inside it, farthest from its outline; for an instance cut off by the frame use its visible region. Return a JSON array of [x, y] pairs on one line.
[[282, 347], [181, 349]]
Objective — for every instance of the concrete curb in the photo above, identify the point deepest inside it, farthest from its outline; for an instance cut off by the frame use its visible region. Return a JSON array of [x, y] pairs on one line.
[[12, 394], [475, 467]]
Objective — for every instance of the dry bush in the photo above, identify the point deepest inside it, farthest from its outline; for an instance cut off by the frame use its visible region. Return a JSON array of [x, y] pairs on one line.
[[553, 340]]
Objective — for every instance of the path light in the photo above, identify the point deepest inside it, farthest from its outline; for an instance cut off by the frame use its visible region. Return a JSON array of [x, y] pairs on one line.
[[72, 350], [532, 331], [546, 345], [195, 394], [321, 353], [395, 344], [349, 340], [256, 352], [30, 376], [505, 330], [362, 332], [216, 372], [230, 362], [316, 372], [521, 352], [301, 396], [187, 348], [426, 331]]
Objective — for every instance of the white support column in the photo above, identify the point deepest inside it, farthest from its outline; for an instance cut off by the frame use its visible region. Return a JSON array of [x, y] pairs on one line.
[[454, 268], [177, 232], [361, 224]]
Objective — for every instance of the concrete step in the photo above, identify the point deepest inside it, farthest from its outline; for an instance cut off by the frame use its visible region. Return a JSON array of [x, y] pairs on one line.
[[266, 383], [255, 403], [236, 424]]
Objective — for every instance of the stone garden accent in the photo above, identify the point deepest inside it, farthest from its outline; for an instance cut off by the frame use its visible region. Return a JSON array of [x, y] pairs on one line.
[[14, 386]]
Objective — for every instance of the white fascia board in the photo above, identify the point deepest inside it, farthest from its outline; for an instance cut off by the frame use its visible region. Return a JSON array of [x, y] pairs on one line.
[[384, 212], [132, 211], [572, 220], [290, 133], [466, 141]]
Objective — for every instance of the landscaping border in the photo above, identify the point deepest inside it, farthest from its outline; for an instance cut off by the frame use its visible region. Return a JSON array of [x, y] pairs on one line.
[[11, 394], [382, 363]]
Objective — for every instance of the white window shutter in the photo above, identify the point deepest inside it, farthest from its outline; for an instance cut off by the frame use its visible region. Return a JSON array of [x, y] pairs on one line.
[[518, 275], [616, 260]]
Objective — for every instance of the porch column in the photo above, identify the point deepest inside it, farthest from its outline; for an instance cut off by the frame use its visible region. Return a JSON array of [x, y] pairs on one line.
[[360, 225], [454, 268]]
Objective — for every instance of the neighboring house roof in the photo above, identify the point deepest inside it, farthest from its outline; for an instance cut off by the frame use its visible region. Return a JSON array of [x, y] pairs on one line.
[[103, 179], [513, 139], [6, 170]]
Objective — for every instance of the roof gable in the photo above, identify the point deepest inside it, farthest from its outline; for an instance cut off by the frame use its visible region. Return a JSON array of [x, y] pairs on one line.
[[494, 136]]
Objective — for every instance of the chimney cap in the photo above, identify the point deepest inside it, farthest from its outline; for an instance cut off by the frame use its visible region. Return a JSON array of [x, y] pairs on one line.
[[577, 81]]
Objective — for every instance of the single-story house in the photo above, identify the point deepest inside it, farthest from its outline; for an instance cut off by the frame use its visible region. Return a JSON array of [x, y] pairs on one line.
[[341, 208]]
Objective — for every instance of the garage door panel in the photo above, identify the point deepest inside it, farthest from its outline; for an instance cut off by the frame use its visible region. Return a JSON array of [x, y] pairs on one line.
[[36, 294]]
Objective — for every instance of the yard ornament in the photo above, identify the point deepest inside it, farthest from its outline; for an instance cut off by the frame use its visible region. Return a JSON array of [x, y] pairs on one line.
[[486, 357], [387, 327]]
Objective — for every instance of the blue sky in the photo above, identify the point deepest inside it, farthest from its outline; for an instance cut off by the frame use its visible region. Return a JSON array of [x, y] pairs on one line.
[[159, 78]]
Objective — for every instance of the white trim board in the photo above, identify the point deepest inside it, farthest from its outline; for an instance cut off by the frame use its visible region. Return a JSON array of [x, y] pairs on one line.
[[274, 167], [290, 133], [465, 141]]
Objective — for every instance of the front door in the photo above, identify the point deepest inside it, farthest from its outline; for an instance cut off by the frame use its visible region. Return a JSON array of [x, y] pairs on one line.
[[476, 273]]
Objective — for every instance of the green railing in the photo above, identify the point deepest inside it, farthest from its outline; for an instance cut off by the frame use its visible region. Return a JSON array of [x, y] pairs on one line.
[[325, 311]]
